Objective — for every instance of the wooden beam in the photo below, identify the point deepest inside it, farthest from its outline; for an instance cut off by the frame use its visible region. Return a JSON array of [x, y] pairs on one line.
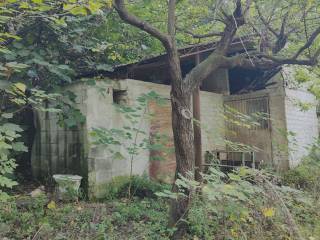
[[161, 61]]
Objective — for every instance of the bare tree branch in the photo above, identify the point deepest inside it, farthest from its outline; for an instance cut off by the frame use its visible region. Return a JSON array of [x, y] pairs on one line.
[[200, 36], [263, 61], [218, 58], [282, 36], [294, 61], [308, 44], [233, 22], [171, 18], [135, 21], [246, 10], [283, 24], [265, 22], [212, 63]]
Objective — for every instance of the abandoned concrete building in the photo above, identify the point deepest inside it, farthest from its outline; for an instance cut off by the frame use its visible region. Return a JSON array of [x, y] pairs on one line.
[[61, 150]]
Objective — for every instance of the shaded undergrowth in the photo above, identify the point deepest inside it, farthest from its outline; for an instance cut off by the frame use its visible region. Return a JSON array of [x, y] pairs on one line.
[[247, 204]]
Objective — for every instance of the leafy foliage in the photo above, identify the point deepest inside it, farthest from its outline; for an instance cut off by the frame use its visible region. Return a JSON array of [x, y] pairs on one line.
[[230, 206], [16, 98], [45, 44], [9, 133], [246, 204], [141, 187], [307, 174], [49, 43]]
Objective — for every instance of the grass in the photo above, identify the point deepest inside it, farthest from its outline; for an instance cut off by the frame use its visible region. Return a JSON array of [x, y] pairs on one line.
[[145, 216], [138, 219]]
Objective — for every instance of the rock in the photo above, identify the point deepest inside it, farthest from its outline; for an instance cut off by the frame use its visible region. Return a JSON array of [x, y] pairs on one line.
[[38, 192]]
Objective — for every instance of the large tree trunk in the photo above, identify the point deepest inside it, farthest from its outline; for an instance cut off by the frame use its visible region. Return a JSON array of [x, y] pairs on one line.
[[182, 126], [183, 141]]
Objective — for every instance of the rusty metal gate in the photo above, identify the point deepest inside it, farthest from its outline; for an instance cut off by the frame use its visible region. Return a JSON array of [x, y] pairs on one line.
[[248, 123]]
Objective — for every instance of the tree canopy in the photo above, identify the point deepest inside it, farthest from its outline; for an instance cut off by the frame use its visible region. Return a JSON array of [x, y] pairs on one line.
[[69, 38], [50, 43]]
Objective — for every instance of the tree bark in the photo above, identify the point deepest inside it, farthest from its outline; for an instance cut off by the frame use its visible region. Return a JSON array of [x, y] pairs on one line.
[[182, 125], [184, 147], [197, 134], [197, 129]]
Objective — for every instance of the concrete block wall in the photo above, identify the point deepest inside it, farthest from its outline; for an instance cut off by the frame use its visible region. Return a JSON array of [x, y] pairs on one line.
[[278, 129], [100, 112], [302, 124], [212, 121], [294, 129], [61, 150]]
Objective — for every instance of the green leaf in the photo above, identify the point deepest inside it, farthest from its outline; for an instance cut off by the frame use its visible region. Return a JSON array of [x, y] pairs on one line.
[[68, 7], [6, 182], [168, 194], [4, 146], [21, 87], [94, 6], [10, 127], [16, 65], [65, 67], [24, 5], [75, 10], [7, 115], [8, 35], [19, 147], [61, 22], [118, 156], [37, 1], [5, 50], [43, 8]]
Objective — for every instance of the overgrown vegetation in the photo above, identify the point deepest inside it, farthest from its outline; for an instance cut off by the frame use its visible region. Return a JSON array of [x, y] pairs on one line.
[[246, 204], [141, 187], [14, 100], [306, 176], [36, 219]]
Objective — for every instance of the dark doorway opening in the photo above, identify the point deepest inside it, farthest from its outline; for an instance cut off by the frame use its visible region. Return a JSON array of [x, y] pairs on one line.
[[25, 119]]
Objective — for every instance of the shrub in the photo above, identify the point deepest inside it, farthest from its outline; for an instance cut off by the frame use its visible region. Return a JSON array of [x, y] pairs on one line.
[[246, 204], [307, 174], [148, 216], [21, 214], [141, 187]]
